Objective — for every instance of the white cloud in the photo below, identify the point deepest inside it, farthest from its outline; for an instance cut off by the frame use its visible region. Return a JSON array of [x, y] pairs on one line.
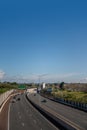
[[84, 80], [66, 77], [61, 77], [2, 74]]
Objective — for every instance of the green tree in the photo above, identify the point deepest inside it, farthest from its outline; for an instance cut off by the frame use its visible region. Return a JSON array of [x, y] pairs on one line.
[[61, 85]]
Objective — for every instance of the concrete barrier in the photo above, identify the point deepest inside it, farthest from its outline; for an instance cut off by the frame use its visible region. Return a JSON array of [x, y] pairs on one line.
[[59, 123], [4, 96]]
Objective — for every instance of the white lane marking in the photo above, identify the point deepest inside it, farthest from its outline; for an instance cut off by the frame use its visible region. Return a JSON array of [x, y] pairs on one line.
[[6, 101], [19, 117], [74, 125], [4, 104], [9, 117], [35, 121], [8, 108], [23, 124], [41, 115], [18, 113]]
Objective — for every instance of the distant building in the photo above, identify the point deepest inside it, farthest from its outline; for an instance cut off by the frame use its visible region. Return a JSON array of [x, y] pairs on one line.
[[40, 87], [49, 90], [44, 85], [32, 90]]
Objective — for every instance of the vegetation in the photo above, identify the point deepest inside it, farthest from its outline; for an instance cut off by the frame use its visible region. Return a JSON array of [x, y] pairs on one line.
[[61, 85], [72, 96], [73, 92], [7, 86]]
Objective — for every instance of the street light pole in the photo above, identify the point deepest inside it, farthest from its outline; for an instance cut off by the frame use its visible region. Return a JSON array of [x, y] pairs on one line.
[[40, 76]]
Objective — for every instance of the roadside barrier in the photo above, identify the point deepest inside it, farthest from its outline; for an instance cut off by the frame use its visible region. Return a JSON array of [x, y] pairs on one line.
[[77, 105], [59, 123], [4, 96]]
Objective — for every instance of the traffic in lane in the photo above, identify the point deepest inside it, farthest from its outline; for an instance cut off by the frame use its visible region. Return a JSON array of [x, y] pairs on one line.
[[75, 117], [22, 116]]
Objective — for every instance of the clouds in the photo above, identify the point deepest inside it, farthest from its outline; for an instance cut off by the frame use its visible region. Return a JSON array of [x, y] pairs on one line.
[[35, 78], [83, 80], [66, 77], [18, 78], [2, 74]]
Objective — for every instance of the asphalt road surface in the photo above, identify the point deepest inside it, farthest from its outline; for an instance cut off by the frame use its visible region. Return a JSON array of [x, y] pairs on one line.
[[22, 116], [76, 117]]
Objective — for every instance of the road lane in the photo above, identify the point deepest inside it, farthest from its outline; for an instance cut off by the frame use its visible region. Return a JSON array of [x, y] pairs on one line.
[[23, 116], [4, 116], [79, 118]]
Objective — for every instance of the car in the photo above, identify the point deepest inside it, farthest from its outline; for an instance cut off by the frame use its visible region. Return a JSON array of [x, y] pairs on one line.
[[44, 100], [13, 101], [18, 99]]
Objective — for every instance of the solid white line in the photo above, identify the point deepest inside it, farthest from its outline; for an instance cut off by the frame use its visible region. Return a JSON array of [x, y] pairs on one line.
[[4, 104], [9, 113], [9, 117], [9, 106], [6, 101]]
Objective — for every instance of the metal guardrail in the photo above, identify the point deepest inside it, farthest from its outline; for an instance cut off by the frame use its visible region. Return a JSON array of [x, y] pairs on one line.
[[77, 105], [60, 124]]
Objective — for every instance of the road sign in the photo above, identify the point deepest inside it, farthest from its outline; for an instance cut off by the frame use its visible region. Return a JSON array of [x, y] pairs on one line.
[[22, 87]]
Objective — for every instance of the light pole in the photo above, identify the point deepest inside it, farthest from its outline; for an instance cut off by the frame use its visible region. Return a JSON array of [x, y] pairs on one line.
[[40, 76]]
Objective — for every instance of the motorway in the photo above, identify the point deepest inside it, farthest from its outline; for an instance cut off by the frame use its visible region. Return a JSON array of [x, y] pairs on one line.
[[23, 116], [72, 116]]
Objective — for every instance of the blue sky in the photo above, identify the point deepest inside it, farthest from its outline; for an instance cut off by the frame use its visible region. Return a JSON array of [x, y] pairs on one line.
[[43, 37]]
